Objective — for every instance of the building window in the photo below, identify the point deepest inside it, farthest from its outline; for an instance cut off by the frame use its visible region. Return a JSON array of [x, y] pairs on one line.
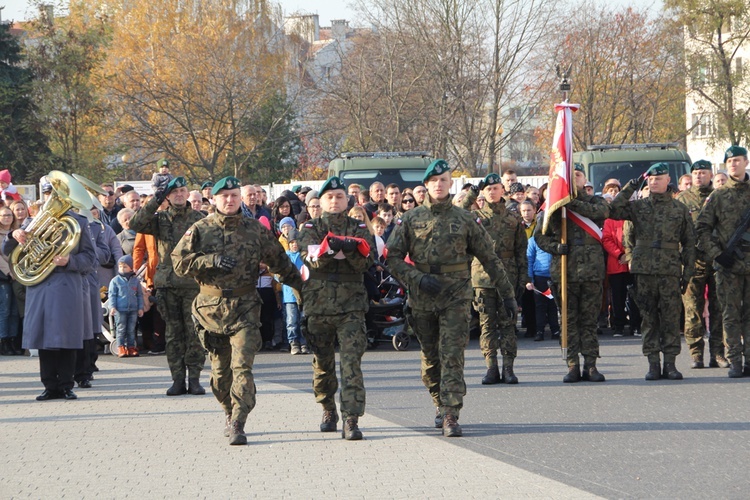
[[704, 125]]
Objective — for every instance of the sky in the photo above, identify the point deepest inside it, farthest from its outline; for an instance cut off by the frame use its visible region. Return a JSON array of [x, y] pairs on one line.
[[18, 10]]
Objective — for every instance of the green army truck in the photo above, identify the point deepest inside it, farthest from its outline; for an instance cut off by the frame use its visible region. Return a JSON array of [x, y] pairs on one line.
[[627, 161], [403, 168]]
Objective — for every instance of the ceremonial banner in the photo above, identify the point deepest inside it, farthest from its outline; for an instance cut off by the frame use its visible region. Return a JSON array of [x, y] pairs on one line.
[[561, 162]]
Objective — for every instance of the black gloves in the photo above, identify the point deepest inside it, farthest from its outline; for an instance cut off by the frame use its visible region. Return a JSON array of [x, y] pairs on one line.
[[350, 245], [511, 307], [224, 262], [160, 195], [474, 189], [430, 285], [562, 249], [481, 186], [725, 259], [335, 244]]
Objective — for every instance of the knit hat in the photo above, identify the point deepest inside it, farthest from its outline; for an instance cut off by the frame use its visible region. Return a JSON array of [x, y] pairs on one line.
[[126, 259], [287, 220]]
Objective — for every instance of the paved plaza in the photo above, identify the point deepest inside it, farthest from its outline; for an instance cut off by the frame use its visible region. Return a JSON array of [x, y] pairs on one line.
[[540, 439]]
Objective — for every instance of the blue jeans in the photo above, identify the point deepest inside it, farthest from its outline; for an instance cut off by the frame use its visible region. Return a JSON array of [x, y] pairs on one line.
[[8, 311], [125, 321], [291, 318]]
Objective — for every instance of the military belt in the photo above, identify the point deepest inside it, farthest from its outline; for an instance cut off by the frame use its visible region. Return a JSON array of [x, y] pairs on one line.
[[507, 255], [338, 277], [657, 244], [435, 269], [227, 293]]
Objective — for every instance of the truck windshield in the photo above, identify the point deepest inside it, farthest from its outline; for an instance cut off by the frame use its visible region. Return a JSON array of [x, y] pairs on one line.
[[624, 171], [402, 177]]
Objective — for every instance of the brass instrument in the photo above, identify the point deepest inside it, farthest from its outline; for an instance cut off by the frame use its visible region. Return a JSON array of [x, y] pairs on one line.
[[51, 233]]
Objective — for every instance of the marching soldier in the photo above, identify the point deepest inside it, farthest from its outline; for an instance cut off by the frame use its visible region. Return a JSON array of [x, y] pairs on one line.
[[175, 294], [724, 238], [662, 260], [442, 239], [694, 298], [223, 253], [509, 241], [585, 273], [336, 249]]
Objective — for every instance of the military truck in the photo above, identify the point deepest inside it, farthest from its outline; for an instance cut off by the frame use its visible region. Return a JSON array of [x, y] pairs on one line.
[[403, 168], [626, 161]]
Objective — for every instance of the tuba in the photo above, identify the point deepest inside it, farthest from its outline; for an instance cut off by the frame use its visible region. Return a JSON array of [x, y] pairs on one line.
[[51, 233]]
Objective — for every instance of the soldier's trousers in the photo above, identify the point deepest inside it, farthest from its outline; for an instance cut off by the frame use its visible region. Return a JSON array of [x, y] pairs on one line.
[[734, 294], [497, 329], [443, 336], [584, 300], [232, 359], [694, 300], [184, 350], [658, 298], [322, 332]]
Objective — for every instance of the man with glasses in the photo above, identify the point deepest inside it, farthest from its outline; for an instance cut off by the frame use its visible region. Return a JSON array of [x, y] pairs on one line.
[[312, 210], [109, 214]]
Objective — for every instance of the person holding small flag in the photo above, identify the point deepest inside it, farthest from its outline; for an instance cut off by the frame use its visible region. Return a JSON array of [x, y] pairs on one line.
[[336, 249]]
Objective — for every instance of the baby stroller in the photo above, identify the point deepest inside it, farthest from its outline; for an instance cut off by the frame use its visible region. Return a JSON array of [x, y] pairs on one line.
[[386, 320]]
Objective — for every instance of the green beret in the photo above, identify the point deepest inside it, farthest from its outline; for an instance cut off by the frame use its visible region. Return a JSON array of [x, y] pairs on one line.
[[331, 184], [701, 165], [492, 179], [162, 163], [579, 167], [296, 188], [660, 168], [177, 182], [228, 182], [207, 184], [734, 151], [437, 167]]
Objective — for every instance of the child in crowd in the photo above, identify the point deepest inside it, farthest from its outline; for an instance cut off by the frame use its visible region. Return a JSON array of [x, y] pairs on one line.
[[160, 179], [291, 300], [539, 272], [286, 225], [387, 213], [126, 305], [8, 191]]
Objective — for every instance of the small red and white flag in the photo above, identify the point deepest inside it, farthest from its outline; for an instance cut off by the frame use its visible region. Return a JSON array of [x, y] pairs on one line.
[[547, 293]]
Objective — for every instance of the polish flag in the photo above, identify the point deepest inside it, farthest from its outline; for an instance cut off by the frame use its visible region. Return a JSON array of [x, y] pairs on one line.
[[561, 162]]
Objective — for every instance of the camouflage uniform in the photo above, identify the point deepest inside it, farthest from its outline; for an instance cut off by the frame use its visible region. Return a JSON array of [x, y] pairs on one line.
[[174, 294], [694, 298], [509, 241], [585, 274], [442, 239], [662, 250], [334, 302], [717, 222], [227, 309]]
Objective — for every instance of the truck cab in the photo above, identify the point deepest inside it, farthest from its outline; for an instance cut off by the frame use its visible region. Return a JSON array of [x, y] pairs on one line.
[[405, 169], [627, 161]]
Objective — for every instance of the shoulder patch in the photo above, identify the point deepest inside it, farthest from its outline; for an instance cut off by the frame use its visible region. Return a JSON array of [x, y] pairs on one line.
[[188, 232], [308, 224], [398, 222], [479, 221]]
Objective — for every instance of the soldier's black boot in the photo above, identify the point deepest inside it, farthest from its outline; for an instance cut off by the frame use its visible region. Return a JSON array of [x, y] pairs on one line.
[[451, 427], [237, 433], [508, 376], [438, 419], [350, 430], [492, 376], [591, 374], [228, 425], [574, 375], [4, 347], [329, 421], [654, 371], [178, 388], [670, 372], [746, 370], [697, 362], [735, 370], [195, 387]]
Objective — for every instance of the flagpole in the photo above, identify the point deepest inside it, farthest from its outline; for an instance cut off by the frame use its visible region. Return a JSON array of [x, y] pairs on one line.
[[564, 88]]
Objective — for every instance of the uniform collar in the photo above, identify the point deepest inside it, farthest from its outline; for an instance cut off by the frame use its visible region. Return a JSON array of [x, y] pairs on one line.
[[335, 220], [225, 220], [732, 182], [437, 206], [495, 208], [660, 197]]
